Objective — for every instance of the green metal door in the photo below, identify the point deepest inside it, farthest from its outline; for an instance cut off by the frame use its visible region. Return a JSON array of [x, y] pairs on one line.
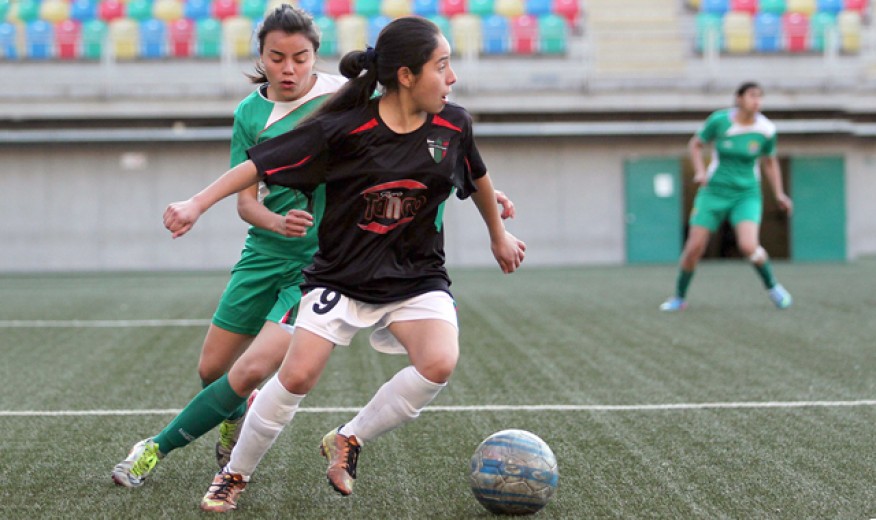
[[818, 225], [653, 209]]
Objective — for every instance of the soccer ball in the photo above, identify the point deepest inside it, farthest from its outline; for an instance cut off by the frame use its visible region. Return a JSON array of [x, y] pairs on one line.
[[513, 472]]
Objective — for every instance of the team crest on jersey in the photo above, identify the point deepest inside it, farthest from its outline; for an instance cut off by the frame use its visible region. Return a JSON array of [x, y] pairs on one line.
[[753, 147], [437, 148], [391, 204]]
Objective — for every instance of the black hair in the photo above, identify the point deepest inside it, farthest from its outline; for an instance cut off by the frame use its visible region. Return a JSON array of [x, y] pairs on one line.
[[408, 41], [290, 20], [745, 87]]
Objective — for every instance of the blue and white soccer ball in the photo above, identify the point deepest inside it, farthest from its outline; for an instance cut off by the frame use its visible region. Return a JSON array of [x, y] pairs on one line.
[[513, 472]]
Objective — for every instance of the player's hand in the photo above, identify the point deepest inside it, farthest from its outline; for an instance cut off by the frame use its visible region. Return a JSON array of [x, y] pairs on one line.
[[785, 203], [700, 178], [295, 223], [509, 252], [508, 210], [180, 217]]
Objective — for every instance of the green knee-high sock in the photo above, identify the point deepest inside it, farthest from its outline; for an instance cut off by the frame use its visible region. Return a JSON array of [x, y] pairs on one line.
[[765, 270], [204, 412], [683, 282], [236, 414]]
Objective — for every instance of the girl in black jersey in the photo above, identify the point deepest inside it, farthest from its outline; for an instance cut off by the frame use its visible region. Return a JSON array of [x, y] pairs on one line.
[[388, 165]]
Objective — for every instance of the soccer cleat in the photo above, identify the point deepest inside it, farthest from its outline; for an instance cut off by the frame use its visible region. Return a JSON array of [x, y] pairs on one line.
[[229, 433], [342, 453], [222, 495], [142, 459], [673, 304], [780, 296]]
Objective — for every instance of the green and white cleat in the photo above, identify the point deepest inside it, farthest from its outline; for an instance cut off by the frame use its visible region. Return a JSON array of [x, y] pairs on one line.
[[780, 296], [142, 459], [229, 433]]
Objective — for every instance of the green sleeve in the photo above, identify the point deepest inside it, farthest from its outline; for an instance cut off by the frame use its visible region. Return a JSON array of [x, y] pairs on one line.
[[241, 138], [769, 146], [709, 131]]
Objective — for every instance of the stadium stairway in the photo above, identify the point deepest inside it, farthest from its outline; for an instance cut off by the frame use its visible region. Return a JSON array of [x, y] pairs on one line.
[[636, 38]]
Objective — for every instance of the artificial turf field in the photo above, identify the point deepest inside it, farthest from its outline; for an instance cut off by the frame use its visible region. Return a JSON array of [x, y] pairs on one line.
[[732, 409]]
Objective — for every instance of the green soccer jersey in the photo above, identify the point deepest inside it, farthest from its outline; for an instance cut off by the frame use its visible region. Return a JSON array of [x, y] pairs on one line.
[[258, 119], [737, 149]]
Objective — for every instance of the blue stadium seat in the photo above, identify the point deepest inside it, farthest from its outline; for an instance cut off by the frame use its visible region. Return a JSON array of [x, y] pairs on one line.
[[314, 7], [767, 32], [425, 8], [496, 35], [537, 7], [196, 9], [39, 40], [153, 35], [375, 25], [83, 10], [830, 6], [715, 6], [8, 41]]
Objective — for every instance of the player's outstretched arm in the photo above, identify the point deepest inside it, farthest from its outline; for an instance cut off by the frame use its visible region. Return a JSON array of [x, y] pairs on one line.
[[507, 249], [508, 209], [180, 217], [773, 173]]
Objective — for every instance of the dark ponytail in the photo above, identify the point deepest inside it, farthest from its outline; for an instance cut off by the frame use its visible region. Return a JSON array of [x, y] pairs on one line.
[[404, 42]]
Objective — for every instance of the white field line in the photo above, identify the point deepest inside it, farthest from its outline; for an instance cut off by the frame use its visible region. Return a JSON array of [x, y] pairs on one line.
[[99, 324], [491, 408]]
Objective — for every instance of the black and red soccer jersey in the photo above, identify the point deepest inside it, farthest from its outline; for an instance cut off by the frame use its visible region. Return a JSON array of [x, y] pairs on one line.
[[381, 238]]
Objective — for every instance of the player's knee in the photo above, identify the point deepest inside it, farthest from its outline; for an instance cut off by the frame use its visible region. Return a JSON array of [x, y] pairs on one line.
[[440, 369], [755, 253], [209, 372], [249, 375]]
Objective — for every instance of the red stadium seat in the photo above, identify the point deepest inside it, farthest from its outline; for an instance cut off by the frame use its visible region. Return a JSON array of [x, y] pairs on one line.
[[451, 8], [338, 8], [110, 10], [747, 6], [796, 29], [182, 37], [67, 39], [524, 34], [568, 9], [222, 9], [855, 5]]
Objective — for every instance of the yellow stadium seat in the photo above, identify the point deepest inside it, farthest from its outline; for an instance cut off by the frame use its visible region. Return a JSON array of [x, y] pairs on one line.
[[467, 33], [168, 10], [738, 32], [510, 8], [124, 38], [237, 34], [849, 23], [55, 10], [806, 7], [352, 33], [395, 8]]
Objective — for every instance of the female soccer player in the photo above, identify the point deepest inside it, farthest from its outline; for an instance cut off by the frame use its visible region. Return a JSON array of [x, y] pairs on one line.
[[388, 165], [730, 189]]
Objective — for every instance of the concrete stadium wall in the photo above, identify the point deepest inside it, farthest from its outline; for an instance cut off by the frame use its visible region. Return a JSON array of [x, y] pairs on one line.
[[85, 207]]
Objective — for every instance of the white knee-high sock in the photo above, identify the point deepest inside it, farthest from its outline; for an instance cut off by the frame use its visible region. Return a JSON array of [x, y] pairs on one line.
[[398, 401], [272, 410]]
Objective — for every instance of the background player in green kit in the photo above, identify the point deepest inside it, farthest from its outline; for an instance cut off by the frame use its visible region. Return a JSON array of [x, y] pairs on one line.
[[742, 140], [280, 243]]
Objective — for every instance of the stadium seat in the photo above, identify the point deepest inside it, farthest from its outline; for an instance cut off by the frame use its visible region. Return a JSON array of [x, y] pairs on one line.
[[255, 9], [451, 8], [849, 24], [110, 10], [153, 38], [806, 7], [94, 34], [328, 42], [772, 6], [314, 7], [830, 6], [767, 32], [738, 32], [709, 32], [352, 33], [39, 40], [715, 6], [8, 41], [222, 9], [375, 25], [124, 38], [181, 38], [466, 31], [4, 10], [795, 27], [27, 11], [693, 4], [509, 8], [524, 35], [855, 5], [139, 10], [54, 11], [553, 34], [444, 24], [83, 10], [67, 38], [196, 9], [237, 36], [568, 9], [495, 33], [538, 7], [366, 8], [395, 8], [208, 38], [745, 6], [822, 27], [338, 8], [168, 10], [425, 8], [482, 8]]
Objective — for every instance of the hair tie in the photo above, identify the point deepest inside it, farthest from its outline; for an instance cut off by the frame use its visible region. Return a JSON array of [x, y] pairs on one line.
[[369, 58]]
